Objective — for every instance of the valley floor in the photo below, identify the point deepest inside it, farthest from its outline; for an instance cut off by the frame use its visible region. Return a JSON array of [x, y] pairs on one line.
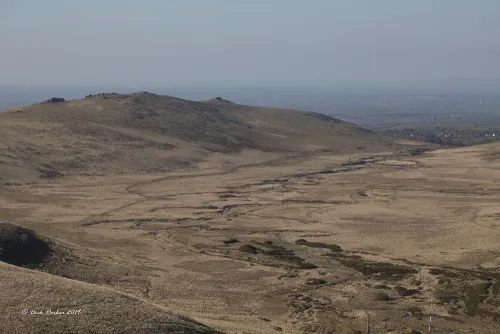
[[266, 243]]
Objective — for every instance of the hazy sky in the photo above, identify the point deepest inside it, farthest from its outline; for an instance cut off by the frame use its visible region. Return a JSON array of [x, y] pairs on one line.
[[204, 42]]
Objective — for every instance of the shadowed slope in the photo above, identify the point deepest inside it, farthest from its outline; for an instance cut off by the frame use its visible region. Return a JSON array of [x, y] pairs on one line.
[[20, 246]]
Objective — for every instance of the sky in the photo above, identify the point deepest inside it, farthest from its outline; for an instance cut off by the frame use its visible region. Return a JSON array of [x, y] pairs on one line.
[[259, 42]]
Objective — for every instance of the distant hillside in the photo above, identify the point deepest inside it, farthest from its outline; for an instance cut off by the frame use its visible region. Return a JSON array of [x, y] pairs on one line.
[[148, 133]]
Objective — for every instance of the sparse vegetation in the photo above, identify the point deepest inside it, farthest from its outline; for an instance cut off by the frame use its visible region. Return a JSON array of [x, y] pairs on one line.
[[403, 292], [49, 174], [376, 270], [54, 100], [249, 249], [231, 241], [155, 214], [381, 297], [332, 247], [315, 281]]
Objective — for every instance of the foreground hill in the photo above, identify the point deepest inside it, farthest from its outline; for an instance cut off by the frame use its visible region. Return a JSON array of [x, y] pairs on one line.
[[38, 302], [146, 133]]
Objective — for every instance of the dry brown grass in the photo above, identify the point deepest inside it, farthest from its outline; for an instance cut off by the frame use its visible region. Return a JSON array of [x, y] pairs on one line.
[[146, 133], [336, 244]]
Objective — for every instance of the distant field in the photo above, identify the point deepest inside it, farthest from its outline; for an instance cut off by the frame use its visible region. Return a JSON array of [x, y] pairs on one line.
[[424, 126]]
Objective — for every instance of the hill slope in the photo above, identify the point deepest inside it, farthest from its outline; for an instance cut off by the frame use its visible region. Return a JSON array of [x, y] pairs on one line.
[[147, 133], [46, 303], [79, 307]]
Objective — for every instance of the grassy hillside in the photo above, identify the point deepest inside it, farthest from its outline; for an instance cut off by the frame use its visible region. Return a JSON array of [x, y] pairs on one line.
[[147, 133]]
